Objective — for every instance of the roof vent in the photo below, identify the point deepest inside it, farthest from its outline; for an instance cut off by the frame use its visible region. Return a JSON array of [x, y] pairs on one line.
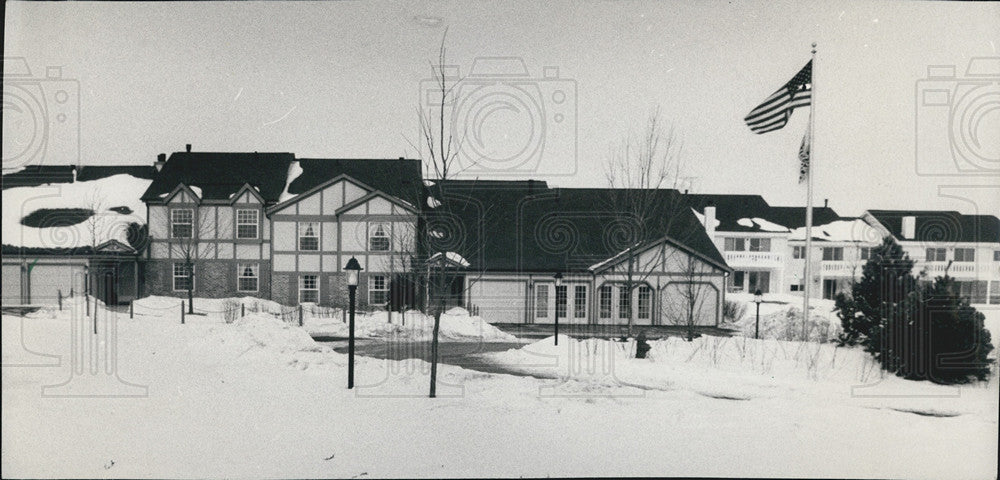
[[188, 147], [161, 160], [826, 203]]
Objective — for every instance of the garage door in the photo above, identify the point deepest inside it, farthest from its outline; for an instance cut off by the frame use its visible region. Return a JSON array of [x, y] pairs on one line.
[[47, 281], [11, 284], [675, 304], [499, 301]]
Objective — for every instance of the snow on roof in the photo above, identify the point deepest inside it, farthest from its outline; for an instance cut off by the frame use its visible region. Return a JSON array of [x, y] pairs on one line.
[[453, 257], [851, 230], [59, 231], [197, 190], [764, 225], [433, 202], [294, 171]]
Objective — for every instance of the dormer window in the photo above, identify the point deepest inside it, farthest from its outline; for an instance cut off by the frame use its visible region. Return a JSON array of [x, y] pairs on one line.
[[378, 241], [247, 221], [181, 223]]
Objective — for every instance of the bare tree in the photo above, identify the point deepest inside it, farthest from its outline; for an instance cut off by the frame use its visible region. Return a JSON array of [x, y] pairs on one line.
[[638, 170], [693, 291], [190, 247]]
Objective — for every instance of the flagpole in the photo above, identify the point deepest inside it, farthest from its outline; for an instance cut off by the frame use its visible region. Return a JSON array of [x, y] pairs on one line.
[[807, 282]]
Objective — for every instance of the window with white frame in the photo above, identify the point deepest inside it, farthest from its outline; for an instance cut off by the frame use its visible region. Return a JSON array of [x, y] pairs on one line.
[[735, 244], [866, 252], [561, 301], [181, 223], [760, 244], [936, 255], [833, 253], [624, 303], [378, 238], [645, 302], [580, 301], [604, 301], [183, 278], [247, 277], [965, 254], [247, 221], [378, 290], [795, 287], [308, 289], [309, 236], [541, 301]]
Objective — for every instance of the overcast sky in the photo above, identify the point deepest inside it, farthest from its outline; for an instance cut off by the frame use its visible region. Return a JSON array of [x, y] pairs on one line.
[[343, 80]]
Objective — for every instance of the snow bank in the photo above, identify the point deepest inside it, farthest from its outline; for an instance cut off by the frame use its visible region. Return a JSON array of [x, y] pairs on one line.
[[781, 318], [294, 171], [106, 193], [762, 224], [456, 325]]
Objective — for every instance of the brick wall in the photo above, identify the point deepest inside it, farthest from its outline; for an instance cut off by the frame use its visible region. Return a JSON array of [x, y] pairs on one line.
[[213, 279]]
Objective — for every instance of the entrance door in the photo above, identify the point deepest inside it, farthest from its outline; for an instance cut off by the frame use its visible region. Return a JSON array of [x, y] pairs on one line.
[[829, 289]]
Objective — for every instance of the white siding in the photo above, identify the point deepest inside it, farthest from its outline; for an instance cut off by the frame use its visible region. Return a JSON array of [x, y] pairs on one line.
[[308, 263], [225, 223], [248, 252], [159, 222], [284, 263], [284, 236]]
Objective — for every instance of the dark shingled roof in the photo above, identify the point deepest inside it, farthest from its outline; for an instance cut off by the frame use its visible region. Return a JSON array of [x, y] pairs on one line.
[[400, 177], [730, 208], [528, 227], [221, 174], [97, 172], [941, 226], [35, 175]]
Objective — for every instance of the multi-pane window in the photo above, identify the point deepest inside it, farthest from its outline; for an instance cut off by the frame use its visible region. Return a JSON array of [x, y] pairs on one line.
[[795, 287], [308, 236], [936, 255], [866, 252], [308, 289], [974, 290], [604, 301], [833, 253], [378, 290], [183, 279], [996, 255], [580, 301], [247, 221], [181, 223], [735, 244], [561, 301], [645, 301], [760, 244], [542, 301], [965, 255], [247, 277], [378, 240], [624, 303], [798, 252]]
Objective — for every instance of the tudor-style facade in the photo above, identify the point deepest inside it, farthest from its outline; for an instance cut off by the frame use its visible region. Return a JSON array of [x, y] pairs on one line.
[[285, 232]]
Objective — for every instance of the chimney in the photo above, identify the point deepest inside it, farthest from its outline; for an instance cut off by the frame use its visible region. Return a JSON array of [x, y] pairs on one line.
[[909, 227], [188, 147], [161, 160], [710, 219], [75, 172], [826, 203], [531, 187]]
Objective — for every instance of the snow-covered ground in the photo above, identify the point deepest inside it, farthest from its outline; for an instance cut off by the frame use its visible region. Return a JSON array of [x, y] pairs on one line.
[[456, 326], [781, 318], [258, 398]]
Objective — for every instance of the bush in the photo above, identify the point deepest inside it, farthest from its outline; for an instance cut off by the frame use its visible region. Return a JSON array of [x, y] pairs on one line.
[[919, 332], [733, 311]]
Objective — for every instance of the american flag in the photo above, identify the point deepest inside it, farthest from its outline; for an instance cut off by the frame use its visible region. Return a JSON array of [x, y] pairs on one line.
[[774, 112]]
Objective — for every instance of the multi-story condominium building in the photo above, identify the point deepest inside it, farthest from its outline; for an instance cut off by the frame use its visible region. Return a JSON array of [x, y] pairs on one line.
[[274, 226], [765, 245], [967, 247]]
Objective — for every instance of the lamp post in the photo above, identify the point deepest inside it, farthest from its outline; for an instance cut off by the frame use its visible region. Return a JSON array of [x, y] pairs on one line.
[[353, 268], [558, 276], [757, 298]]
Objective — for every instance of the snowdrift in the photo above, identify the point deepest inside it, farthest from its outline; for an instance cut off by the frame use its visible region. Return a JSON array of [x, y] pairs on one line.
[[781, 318], [457, 325]]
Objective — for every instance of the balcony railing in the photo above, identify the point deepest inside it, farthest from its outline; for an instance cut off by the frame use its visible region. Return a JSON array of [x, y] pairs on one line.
[[958, 269], [755, 259], [841, 268]]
